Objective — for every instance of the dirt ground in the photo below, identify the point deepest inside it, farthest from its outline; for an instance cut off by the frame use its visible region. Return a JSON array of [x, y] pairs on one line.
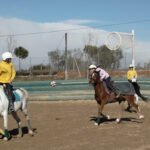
[[69, 125]]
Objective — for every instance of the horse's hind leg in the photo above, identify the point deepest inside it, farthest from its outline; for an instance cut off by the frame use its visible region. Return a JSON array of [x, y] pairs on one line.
[[28, 122], [136, 106], [16, 117]]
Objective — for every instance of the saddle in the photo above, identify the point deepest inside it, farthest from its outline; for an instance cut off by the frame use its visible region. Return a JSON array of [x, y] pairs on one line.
[[15, 96], [125, 88]]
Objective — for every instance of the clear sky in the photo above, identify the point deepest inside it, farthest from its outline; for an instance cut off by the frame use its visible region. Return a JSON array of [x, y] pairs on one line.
[[109, 15]]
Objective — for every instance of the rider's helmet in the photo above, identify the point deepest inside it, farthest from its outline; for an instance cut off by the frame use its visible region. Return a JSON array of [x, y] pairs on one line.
[[131, 66], [92, 67], [6, 55]]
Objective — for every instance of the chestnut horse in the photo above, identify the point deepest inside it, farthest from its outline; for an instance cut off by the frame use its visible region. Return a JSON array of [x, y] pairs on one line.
[[103, 97]]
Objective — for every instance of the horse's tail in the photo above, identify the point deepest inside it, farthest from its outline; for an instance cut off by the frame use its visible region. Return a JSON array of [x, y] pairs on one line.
[[25, 93], [24, 99]]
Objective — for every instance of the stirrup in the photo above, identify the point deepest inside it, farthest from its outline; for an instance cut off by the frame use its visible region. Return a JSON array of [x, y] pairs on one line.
[[11, 109]]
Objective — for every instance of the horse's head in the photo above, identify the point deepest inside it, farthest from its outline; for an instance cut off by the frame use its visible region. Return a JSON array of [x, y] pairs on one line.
[[93, 77]]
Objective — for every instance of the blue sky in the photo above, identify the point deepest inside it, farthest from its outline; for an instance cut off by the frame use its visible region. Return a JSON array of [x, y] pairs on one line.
[[98, 13], [33, 16]]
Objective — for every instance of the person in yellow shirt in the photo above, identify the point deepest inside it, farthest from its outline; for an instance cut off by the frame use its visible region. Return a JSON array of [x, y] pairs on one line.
[[132, 78], [131, 74], [7, 75]]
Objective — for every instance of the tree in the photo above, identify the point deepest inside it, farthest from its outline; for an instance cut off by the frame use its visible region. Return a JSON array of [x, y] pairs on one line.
[[108, 58], [55, 58], [21, 53], [11, 43], [103, 56], [90, 50]]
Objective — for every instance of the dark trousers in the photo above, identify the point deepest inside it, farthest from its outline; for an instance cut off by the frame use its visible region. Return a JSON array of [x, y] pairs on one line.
[[110, 85], [8, 88], [137, 89]]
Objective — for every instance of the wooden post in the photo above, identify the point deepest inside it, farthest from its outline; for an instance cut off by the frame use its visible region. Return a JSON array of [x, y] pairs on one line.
[[66, 63]]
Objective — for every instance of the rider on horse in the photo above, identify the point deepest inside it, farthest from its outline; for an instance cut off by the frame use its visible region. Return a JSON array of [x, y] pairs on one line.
[[105, 77], [7, 75]]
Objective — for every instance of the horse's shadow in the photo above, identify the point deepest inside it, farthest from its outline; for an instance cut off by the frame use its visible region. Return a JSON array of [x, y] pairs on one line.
[[105, 120], [14, 132]]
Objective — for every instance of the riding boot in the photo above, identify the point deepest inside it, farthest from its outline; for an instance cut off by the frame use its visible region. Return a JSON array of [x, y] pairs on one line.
[[117, 94], [116, 91], [11, 106]]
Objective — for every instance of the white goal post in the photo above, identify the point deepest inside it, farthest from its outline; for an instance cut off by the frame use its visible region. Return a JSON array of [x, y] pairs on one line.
[[122, 40]]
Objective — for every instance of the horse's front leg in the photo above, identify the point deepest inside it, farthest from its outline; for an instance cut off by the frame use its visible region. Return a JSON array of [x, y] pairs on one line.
[[100, 115], [15, 116], [6, 132], [118, 119]]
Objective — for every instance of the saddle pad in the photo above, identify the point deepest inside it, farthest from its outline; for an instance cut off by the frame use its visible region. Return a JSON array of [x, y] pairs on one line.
[[124, 88], [17, 97]]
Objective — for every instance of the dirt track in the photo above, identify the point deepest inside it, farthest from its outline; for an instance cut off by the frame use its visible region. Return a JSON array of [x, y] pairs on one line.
[[69, 125]]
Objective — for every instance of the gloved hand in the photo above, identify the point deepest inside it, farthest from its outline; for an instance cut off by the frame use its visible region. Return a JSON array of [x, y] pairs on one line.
[[133, 79], [4, 85]]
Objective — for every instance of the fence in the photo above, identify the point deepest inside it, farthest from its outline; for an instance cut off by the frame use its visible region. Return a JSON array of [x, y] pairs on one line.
[[66, 89]]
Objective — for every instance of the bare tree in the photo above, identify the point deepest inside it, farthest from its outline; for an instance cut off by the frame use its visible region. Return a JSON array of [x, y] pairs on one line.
[[11, 43]]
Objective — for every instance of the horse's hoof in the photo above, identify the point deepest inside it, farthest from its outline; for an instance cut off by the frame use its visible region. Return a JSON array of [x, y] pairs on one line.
[[108, 117], [31, 133], [96, 124], [141, 117], [5, 139], [118, 120], [19, 135]]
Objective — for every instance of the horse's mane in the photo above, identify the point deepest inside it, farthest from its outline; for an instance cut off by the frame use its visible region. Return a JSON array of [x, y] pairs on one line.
[[97, 82]]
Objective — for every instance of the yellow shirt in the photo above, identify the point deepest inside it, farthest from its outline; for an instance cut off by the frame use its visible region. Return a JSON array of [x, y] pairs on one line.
[[7, 72], [131, 74]]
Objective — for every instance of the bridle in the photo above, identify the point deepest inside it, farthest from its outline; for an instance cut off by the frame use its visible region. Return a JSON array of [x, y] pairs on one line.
[[94, 77]]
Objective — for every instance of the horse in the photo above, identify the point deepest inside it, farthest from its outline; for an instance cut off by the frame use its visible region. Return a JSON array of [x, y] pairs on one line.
[[137, 91], [103, 97], [20, 103]]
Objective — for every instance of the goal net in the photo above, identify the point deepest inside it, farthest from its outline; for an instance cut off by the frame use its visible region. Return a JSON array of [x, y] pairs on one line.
[[125, 42]]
